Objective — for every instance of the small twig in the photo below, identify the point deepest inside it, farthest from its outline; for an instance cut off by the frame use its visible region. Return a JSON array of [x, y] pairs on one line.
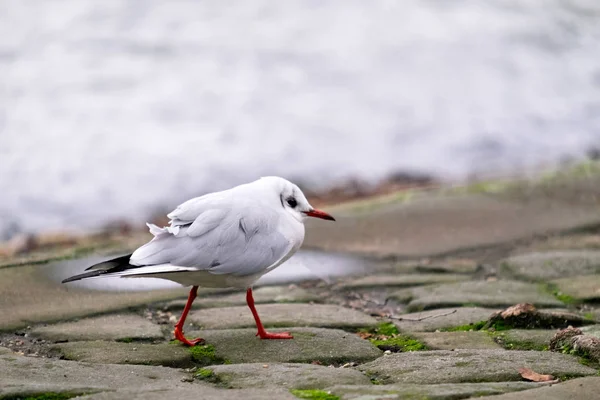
[[422, 318]]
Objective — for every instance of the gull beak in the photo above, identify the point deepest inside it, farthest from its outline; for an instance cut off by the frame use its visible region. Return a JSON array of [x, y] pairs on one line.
[[319, 214]]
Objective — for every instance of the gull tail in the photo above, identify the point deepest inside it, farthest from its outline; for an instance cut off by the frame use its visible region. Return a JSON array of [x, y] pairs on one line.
[[113, 266], [121, 267]]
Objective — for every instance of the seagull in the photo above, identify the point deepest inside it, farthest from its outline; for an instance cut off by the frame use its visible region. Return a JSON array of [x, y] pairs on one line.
[[223, 239]]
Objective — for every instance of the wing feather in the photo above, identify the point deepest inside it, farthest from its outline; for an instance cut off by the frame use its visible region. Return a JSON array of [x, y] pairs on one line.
[[223, 237]]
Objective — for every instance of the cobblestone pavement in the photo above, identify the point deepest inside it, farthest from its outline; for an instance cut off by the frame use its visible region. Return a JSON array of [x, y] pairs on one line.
[[409, 327]]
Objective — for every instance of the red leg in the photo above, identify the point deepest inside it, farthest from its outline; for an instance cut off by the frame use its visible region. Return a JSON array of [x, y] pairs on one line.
[[261, 330], [179, 326]]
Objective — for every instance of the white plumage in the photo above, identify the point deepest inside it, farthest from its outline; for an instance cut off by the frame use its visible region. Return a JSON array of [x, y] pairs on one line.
[[222, 239]]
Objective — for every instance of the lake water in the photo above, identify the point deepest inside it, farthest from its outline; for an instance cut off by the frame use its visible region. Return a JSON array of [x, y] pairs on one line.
[[109, 109]]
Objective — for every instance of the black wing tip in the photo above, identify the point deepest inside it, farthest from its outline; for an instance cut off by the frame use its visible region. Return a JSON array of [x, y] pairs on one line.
[[114, 265], [83, 276]]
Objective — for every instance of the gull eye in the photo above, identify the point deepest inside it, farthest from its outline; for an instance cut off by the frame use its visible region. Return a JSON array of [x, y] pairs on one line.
[[292, 202]]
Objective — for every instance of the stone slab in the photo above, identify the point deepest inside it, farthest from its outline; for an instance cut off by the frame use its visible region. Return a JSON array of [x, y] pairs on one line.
[[28, 296], [103, 352], [443, 318], [278, 315], [21, 375], [551, 265], [500, 293], [291, 376], [436, 224], [525, 339], [580, 288], [582, 388], [444, 391], [592, 330], [327, 346], [194, 394], [399, 280], [441, 366], [456, 340], [123, 327]]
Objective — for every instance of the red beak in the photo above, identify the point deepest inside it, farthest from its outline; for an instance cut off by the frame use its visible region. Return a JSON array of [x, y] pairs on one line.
[[319, 214]]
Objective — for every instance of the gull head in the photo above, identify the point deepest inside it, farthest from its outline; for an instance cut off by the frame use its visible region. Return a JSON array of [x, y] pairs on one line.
[[291, 199]]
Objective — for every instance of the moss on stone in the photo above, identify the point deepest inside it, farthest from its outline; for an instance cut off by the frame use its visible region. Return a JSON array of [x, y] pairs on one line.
[[386, 336], [311, 394], [205, 355], [382, 329], [556, 292], [399, 343], [207, 375], [511, 344], [387, 329], [476, 326]]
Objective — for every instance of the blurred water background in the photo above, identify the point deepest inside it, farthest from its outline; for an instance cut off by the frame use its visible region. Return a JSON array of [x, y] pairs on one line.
[[109, 109]]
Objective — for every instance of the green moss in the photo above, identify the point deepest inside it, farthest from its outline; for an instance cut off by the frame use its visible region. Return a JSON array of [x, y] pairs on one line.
[[205, 355], [204, 373], [41, 396], [499, 325], [313, 394], [555, 291], [125, 340], [565, 298], [387, 329], [589, 316], [476, 326], [207, 375], [375, 381], [399, 343]]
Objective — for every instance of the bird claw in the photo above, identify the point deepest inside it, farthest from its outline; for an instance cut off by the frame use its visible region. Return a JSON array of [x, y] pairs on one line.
[[193, 342], [278, 335]]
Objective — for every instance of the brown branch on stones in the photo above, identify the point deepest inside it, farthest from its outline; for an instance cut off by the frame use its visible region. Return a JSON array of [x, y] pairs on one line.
[[422, 318], [526, 316], [574, 341]]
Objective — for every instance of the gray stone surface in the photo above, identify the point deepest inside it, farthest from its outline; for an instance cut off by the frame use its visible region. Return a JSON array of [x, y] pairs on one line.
[[291, 376], [20, 374], [444, 391], [109, 327], [102, 352], [501, 293], [442, 318], [432, 367], [437, 224], [551, 265], [456, 340], [525, 339], [278, 315], [592, 330], [576, 241], [192, 393], [580, 288], [582, 388], [399, 280], [451, 265], [328, 346], [32, 297], [262, 295]]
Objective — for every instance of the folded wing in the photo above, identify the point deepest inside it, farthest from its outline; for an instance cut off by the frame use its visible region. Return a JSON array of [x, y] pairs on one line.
[[219, 235]]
